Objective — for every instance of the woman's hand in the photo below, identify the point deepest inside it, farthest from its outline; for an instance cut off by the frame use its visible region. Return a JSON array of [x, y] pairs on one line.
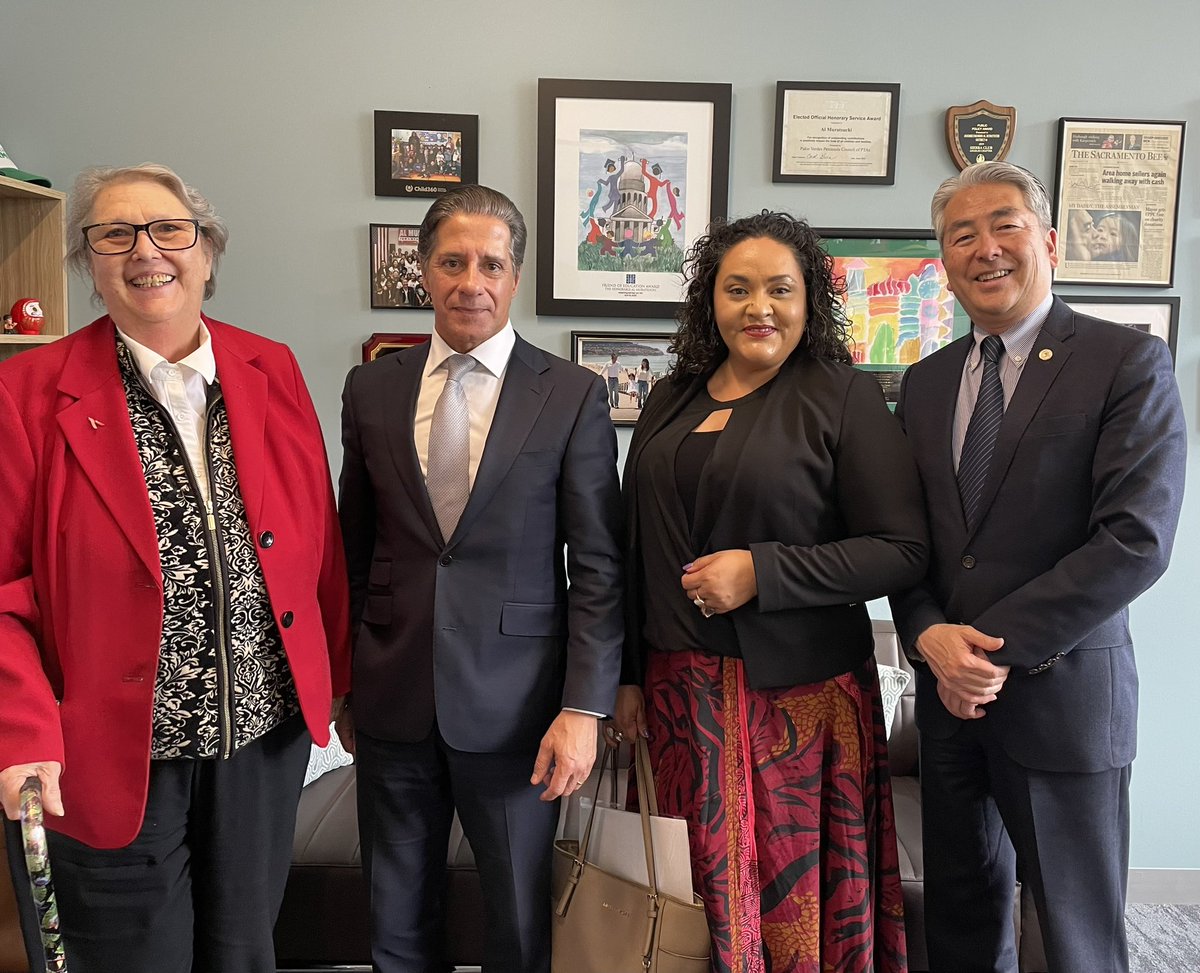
[[722, 581], [630, 715], [13, 778]]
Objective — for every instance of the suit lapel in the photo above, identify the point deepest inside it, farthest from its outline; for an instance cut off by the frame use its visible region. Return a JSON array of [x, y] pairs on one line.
[[99, 433], [522, 398], [655, 420], [244, 387], [1037, 375], [399, 413], [947, 371]]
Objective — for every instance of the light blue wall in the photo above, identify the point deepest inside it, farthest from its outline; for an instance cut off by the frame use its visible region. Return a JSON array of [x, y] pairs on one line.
[[266, 106]]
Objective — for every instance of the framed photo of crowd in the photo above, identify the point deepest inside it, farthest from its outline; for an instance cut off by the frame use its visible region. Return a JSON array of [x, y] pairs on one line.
[[1116, 200], [631, 364], [424, 153], [395, 273], [1154, 315], [898, 301], [630, 174]]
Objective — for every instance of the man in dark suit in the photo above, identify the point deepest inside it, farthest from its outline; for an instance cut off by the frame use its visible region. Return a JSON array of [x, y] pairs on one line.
[[1052, 462], [472, 462]]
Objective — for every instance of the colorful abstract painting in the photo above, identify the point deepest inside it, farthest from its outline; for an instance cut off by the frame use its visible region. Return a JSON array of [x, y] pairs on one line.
[[898, 301]]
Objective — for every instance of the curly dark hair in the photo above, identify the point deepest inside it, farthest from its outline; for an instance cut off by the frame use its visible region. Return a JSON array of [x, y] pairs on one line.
[[697, 344]]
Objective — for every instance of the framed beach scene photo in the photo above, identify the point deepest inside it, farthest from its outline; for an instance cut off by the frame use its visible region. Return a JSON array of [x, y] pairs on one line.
[[630, 364]]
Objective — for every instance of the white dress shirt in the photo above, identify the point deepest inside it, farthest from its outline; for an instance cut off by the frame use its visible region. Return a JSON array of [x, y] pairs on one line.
[[182, 389], [481, 385]]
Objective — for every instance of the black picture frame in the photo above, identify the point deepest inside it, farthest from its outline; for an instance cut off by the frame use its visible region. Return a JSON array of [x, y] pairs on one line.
[[428, 133], [1158, 316], [393, 272], [678, 131], [1117, 185], [593, 350], [829, 134], [897, 300]]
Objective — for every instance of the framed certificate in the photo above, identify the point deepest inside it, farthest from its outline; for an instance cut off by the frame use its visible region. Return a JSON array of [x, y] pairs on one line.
[[835, 132]]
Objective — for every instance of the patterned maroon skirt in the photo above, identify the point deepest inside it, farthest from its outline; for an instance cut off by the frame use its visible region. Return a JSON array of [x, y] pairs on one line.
[[789, 809]]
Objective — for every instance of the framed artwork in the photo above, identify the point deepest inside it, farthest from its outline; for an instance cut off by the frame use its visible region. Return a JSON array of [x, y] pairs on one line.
[[629, 363], [898, 300], [424, 153], [385, 342], [1116, 200], [1154, 315], [395, 281], [835, 132], [630, 174]]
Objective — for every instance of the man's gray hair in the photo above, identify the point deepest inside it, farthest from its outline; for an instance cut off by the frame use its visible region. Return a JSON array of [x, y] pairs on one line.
[[474, 201], [985, 173], [91, 181]]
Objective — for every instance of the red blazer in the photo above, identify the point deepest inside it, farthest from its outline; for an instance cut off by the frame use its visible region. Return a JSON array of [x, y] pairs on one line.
[[81, 595]]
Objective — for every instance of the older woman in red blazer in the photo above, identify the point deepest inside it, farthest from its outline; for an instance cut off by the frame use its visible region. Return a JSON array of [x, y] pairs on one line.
[[173, 599]]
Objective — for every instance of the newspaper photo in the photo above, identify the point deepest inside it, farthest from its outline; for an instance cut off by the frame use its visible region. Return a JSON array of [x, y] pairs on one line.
[[1117, 201]]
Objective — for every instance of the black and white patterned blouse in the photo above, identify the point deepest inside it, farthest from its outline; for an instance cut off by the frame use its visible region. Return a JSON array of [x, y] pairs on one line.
[[223, 679]]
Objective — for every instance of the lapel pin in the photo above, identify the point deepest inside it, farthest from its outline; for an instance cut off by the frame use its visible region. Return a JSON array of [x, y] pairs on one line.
[[95, 423], [1045, 354]]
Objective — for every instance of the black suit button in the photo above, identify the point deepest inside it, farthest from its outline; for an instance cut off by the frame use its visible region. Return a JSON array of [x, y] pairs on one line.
[[445, 559], [266, 539], [286, 619], [968, 562]]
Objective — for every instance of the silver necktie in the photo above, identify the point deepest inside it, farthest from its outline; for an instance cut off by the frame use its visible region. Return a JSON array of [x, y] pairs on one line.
[[448, 477]]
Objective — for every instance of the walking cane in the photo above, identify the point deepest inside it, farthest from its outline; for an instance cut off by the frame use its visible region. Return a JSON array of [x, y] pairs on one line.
[[37, 863]]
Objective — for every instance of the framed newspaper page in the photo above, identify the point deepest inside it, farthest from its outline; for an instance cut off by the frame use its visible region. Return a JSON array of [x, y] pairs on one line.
[[1116, 200]]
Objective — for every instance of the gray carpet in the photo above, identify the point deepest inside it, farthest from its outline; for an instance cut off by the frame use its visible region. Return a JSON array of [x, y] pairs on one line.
[[1163, 938]]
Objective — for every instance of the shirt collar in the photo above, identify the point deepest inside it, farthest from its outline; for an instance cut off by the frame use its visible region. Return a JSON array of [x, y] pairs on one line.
[[492, 354], [202, 361], [1018, 340]]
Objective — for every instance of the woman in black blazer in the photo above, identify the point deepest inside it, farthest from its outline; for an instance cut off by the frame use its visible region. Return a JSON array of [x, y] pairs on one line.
[[769, 494]]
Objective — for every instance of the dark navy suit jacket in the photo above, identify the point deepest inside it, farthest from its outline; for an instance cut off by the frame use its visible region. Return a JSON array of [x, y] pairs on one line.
[[483, 626], [1080, 510]]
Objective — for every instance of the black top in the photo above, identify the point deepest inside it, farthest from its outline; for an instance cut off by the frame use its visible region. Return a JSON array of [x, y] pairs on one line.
[[670, 472], [818, 484]]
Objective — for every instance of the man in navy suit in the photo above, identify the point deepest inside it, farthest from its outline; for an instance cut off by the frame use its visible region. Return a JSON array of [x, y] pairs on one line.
[[1052, 464], [479, 474]]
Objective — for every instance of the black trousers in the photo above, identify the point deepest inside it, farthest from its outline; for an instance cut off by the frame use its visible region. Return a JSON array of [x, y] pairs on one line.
[[987, 821], [407, 795], [199, 888]]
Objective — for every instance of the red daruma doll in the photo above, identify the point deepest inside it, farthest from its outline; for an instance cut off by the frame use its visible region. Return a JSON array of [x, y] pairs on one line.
[[27, 316]]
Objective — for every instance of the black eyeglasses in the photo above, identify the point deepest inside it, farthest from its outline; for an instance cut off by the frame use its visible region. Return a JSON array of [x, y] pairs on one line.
[[110, 238]]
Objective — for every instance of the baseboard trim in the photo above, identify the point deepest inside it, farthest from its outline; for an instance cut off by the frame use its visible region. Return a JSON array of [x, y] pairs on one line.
[[1179, 885]]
